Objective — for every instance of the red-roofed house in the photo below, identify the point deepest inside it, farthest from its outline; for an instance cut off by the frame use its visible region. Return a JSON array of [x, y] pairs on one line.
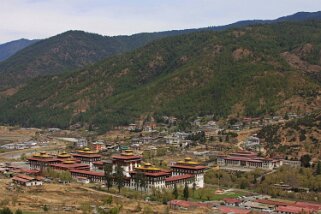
[[316, 207], [227, 210], [67, 166], [232, 201], [91, 175], [273, 203], [292, 210], [26, 180]]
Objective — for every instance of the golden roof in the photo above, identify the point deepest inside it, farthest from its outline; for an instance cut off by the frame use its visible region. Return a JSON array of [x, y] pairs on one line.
[[69, 162], [188, 161], [41, 155], [87, 151], [148, 167], [64, 155], [127, 153]]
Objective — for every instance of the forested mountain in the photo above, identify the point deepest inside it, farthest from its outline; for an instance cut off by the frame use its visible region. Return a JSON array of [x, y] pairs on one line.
[[72, 50], [300, 16], [248, 71], [66, 52], [10, 48]]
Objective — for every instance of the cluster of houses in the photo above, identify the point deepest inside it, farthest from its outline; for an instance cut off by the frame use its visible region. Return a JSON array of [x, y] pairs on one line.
[[263, 205], [87, 165], [23, 145]]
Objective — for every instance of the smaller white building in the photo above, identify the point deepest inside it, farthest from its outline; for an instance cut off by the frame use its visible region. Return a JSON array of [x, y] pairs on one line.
[[244, 159], [25, 180]]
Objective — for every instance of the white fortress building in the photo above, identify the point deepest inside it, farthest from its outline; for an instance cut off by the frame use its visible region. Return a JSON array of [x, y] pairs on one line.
[[186, 171]]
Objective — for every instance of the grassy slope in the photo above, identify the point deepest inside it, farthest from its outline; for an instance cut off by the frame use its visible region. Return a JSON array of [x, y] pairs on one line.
[[197, 73]]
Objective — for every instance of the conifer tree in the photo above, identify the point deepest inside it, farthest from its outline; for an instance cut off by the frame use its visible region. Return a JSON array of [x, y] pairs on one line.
[[194, 187], [119, 177], [108, 170], [175, 192], [186, 192]]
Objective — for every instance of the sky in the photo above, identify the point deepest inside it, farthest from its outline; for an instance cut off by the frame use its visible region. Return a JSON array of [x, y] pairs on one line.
[[37, 19]]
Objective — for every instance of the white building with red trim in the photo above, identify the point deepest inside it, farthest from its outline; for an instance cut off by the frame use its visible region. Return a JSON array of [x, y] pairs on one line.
[[189, 167], [127, 160], [244, 159]]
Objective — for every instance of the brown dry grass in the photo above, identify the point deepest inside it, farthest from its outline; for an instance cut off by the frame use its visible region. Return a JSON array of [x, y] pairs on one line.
[[57, 196], [10, 134]]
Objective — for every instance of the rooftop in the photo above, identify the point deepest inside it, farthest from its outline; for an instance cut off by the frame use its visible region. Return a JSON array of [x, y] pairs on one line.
[[154, 174], [147, 167], [225, 209], [178, 177], [272, 202], [308, 205], [293, 209], [41, 159], [85, 172], [189, 167], [70, 165], [23, 178], [88, 155], [64, 155], [86, 151], [126, 157], [42, 155]]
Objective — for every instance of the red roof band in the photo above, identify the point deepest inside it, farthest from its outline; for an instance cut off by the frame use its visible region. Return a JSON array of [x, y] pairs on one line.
[[189, 167], [178, 177], [85, 172]]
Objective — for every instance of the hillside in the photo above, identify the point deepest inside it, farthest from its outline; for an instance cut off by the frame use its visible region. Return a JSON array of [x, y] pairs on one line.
[[10, 48], [249, 71], [66, 52], [73, 50], [295, 138]]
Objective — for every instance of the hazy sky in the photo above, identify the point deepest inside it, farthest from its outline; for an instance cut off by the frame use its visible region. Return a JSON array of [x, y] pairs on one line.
[[45, 18]]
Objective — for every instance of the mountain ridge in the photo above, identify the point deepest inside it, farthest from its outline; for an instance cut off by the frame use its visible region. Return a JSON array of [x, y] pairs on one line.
[[8, 49], [43, 58]]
